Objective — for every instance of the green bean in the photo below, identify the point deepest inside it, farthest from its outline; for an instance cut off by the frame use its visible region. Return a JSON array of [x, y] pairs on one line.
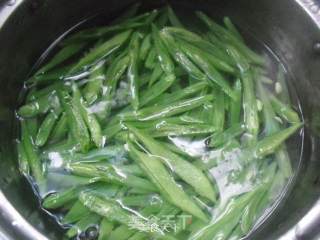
[[64, 54], [220, 138], [156, 112], [76, 213], [49, 77], [216, 62], [31, 153], [156, 74], [94, 85], [151, 57], [271, 143], [139, 236], [129, 14], [161, 86], [62, 147], [251, 119], [162, 19], [156, 124], [105, 229], [168, 129], [175, 149], [46, 91], [204, 113], [219, 111], [250, 213], [113, 130], [111, 153], [235, 105], [58, 199], [203, 44], [284, 111], [210, 70], [142, 200], [32, 124], [227, 36], [178, 165], [183, 93], [132, 169], [283, 94], [166, 185], [145, 47], [232, 29], [46, 128], [227, 219], [24, 166], [162, 53], [91, 220], [94, 33], [114, 73], [101, 51], [180, 57], [61, 128], [90, 119], [133, 70], [113, 211], [76, 123], [109, 174], [36, 107], [121, 233], [283, 159], [236, 234], [173, 18]]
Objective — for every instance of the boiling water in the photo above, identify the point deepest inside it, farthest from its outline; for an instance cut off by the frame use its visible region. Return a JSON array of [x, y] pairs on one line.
[[231, 180]]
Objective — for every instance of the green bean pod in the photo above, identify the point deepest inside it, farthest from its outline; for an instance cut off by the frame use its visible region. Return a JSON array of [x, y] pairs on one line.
[[235, 105], [110, 175], [156, 74], [95, 82], [284, 111], [101, 51], [111, 210], [161, 86], [105, 229], [36, 107], [174, 20], [61, 128], [91, 220], [166, 185], [32, 155], [46, 128], [251, 118], [64, 54], [162, 53], [271, 143], [178, 165], [156, 112], [168, 129], [133, 70], [89, 118], [145, 47], [24, 166], [76, 122], [220, 138]]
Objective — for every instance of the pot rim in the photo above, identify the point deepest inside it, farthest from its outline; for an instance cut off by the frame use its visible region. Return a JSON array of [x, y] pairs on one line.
[[9, 216]]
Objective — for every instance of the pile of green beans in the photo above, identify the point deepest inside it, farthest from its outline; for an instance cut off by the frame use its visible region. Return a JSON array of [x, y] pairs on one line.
[[104, 109]]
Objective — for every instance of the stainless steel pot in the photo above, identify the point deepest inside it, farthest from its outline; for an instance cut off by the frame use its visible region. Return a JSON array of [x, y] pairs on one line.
[[291, 28]]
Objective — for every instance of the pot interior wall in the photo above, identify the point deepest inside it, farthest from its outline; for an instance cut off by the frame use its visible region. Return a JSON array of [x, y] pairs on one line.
[[36, 24]]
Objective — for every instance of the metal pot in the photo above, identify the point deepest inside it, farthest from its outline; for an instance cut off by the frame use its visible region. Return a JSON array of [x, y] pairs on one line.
[[291, 28]]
